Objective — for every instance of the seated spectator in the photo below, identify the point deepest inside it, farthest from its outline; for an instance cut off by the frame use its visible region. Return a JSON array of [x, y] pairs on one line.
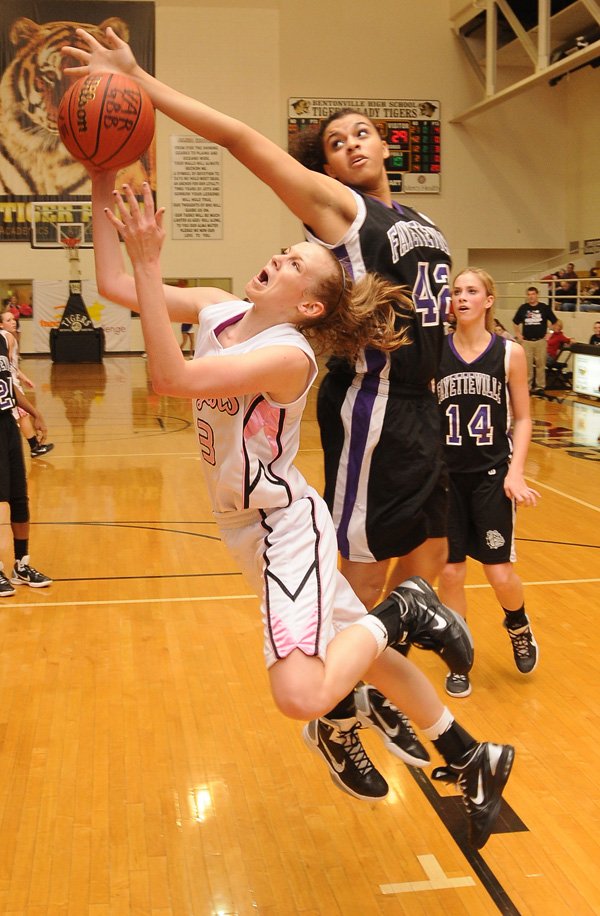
[[563, 288], [556, 342], [26, 309], [566, 298], [501, 331], [591, 294], [595, 338], [12, 305], [570, 277]]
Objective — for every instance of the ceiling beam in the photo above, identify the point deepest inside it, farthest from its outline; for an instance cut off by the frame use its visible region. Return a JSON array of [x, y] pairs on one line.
[[572, 62]]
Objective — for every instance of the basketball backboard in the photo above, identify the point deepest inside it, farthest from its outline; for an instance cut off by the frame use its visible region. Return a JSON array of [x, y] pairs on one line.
[[54, 223]]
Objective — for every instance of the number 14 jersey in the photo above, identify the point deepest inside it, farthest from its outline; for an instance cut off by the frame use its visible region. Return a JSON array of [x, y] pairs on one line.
[[475, 407]]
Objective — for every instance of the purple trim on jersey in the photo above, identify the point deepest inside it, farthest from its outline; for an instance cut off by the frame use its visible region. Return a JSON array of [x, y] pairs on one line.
[[341, 253], [483, 352], [229, 321], [359, 434]]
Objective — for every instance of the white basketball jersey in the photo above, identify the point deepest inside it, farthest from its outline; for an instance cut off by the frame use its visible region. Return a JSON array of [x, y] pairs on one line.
[[248, 444]]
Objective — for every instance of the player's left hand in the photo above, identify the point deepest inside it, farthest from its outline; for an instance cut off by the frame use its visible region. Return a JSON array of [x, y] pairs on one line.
[[140, 227], [516, 488], [41, 430], [115, 56]]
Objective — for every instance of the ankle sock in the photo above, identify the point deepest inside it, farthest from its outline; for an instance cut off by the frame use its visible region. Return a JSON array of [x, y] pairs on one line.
[[516, 619], [451, 739], [345, 709]]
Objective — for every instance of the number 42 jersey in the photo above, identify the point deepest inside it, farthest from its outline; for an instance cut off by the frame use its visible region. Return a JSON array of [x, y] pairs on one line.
[[475, 407]]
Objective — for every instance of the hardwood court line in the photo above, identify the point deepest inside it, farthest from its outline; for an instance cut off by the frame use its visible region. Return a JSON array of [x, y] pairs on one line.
[[573, 499], [125, 601], [179, 599], [545, 582], [92, 456]]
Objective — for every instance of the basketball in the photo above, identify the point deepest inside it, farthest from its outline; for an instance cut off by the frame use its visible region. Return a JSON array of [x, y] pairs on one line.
[[106, 120]]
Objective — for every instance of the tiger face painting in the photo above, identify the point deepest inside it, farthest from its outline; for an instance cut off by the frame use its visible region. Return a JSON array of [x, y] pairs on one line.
[[33, 161]]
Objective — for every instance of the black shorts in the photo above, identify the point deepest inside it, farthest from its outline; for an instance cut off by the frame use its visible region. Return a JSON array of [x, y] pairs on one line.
[[385, 477], [13, 481], [481, 518]]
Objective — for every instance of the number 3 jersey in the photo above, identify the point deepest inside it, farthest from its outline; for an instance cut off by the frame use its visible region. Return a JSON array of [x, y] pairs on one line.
[[475, 407], [249, 443]]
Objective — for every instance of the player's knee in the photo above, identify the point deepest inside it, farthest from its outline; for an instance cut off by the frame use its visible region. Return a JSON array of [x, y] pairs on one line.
[[298, 706], [452, 576], [500, 575]]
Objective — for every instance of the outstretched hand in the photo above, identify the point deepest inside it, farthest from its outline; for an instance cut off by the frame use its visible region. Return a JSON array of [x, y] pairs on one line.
[[116, 57], [141, 228]]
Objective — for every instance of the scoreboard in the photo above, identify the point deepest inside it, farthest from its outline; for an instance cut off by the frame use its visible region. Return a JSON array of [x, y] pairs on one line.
[[410, 127]]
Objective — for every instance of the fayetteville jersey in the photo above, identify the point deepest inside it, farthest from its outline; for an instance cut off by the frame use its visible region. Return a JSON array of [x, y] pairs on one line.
[[475, 407], [7, 395], [404, 247], [379, 419], [249, 443]]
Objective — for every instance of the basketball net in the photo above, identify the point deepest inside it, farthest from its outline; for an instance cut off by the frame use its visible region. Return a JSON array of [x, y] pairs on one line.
[[71, 246]]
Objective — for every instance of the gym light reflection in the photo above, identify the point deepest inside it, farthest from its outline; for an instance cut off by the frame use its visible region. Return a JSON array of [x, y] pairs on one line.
[[201, 803]]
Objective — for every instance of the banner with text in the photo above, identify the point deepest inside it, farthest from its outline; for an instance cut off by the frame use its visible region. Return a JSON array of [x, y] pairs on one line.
[[49, 301], [196, 189]]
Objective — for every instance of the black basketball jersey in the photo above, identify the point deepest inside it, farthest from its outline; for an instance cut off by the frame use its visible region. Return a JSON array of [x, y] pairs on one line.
[[475, 406], [405, 247], [7, 395]]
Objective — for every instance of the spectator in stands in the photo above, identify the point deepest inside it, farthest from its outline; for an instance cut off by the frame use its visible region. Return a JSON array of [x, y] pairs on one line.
[[531, 322], [591, 293], [595, 338], [501, 331], [555, 343], [570, 276], [26, 309], [565, 298]]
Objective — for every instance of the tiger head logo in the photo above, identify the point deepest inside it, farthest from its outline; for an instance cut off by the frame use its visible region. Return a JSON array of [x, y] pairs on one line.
[[33, 160]]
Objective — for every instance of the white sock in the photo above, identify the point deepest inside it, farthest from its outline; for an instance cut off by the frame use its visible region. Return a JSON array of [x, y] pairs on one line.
[[376, 629], [442, 725]]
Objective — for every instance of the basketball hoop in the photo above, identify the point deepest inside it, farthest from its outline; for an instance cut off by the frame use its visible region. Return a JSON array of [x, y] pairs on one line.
[[71, 246]]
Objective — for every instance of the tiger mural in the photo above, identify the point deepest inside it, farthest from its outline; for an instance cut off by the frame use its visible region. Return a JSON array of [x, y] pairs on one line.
[[33, 161]]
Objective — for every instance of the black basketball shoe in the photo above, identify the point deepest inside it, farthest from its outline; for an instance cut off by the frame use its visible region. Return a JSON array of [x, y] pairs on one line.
[[525, 648], [413, 614], [376, 712], [481, 776], [348, 763]]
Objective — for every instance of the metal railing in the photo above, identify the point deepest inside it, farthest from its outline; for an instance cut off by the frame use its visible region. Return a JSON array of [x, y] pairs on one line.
[[584, 297]]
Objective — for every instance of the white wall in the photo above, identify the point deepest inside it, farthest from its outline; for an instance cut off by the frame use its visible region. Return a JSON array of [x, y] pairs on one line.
[[517, 181]]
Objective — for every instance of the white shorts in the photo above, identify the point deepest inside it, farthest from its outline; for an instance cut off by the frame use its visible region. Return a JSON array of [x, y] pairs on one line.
[[290, 557]]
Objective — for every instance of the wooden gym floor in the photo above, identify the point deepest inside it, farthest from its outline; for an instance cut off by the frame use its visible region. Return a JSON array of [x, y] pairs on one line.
[[143, 766]]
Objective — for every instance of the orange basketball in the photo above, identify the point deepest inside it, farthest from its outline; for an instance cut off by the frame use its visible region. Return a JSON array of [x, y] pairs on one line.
[[107, 120]]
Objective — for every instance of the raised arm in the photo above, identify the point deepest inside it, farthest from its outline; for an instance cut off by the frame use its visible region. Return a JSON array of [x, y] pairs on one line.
[[322, 203], [283, 370], [112, 277]]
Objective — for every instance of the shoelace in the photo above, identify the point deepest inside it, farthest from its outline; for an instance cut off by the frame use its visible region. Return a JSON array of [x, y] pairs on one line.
[[520, 642], [450, 776], [27, 570], [407, 726], [353, 747]]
